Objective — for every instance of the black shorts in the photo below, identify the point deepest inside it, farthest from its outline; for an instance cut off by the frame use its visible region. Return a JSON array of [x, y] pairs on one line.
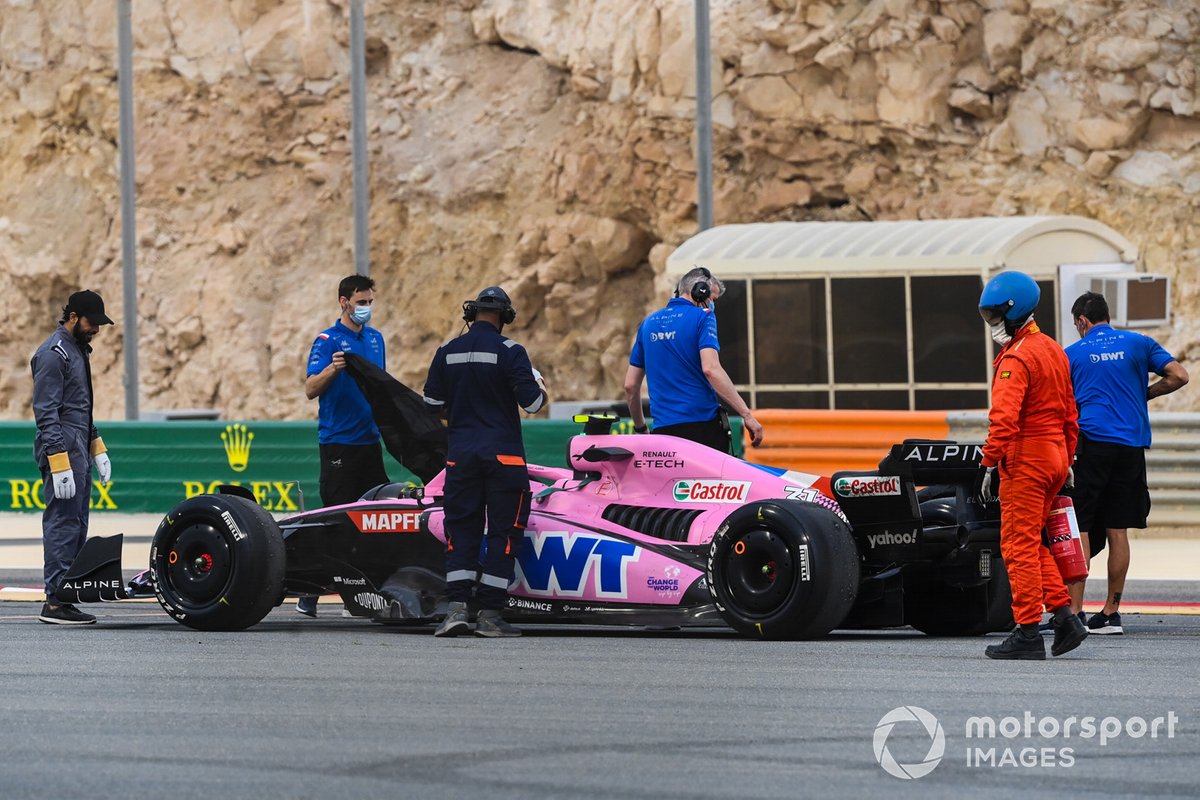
[[714, 433], [1110, 488], [348, 471]]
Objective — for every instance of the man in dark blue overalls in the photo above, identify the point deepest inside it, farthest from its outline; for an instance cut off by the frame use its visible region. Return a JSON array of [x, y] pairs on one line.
[[478, 381], [67, 444]]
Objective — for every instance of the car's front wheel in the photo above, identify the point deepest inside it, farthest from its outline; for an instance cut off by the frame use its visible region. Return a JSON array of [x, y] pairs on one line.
[[217, 563], [783, 569]]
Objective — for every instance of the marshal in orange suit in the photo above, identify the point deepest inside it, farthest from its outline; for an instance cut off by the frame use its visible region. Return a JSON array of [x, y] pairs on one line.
[[1032, 431]]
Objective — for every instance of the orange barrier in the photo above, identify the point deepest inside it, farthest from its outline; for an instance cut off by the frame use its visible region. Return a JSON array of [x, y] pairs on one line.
[[824, 442]]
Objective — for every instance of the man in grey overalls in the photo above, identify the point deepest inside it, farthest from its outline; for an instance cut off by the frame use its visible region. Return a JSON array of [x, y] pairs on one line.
[[67, 443]]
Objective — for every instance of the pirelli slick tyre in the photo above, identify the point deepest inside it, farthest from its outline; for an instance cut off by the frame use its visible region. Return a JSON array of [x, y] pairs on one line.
[[783, 569], [938, 609], [217, 563]]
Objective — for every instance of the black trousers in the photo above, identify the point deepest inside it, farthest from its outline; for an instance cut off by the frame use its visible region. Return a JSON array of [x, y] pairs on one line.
[[482, 488], [713, 433], [349, 470]]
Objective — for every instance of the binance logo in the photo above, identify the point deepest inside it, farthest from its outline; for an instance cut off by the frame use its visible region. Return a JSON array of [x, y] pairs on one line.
[[237, 439]]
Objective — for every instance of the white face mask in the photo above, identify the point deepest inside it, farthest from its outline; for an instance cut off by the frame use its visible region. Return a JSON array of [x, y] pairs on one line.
[[361, 314], [999, 334]]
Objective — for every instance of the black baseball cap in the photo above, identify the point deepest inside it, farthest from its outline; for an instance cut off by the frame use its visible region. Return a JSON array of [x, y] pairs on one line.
[[89, 304]]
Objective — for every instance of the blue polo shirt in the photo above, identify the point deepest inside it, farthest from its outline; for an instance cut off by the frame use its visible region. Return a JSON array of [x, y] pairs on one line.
[[1110, 370], [345, 415], [667, 347]]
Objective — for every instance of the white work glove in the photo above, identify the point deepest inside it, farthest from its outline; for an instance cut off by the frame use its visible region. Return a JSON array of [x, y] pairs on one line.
[[537, 376], [104, 467], [987, 484], [64, 484], [1069, 483]]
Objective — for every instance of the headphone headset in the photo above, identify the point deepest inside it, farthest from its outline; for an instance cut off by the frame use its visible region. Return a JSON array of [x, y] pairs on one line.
[[490, 299], [701, 291]]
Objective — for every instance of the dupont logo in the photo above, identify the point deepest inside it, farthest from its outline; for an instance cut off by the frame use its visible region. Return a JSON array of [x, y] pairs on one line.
[[386, 521], [867, 486], [711, 491]]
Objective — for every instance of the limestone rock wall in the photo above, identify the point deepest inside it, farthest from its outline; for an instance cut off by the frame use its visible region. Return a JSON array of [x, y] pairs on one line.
[[545, 145]]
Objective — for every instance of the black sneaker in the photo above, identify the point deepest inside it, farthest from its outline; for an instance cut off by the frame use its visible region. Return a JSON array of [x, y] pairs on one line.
[[307, 605], [1047, 627], [65, 614], [456, 621], [1023, 644], [1069, 633], [1106, 624], [493, 626]]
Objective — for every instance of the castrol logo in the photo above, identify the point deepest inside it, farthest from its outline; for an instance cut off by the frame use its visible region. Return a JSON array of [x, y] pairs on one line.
[[867, 486], [701, 491]]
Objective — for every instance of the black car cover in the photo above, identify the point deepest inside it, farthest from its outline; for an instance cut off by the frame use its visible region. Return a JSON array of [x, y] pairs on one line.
[[415, 437]]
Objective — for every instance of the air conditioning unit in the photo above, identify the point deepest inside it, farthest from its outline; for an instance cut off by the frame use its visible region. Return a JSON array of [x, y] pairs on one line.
[[1135, 300]]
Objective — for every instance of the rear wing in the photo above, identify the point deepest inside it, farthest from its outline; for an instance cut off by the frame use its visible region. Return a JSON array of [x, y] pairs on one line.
[[931, 461], [884, 509]]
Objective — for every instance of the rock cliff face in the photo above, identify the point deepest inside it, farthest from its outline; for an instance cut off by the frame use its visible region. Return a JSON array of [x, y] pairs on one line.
[[545, 145]]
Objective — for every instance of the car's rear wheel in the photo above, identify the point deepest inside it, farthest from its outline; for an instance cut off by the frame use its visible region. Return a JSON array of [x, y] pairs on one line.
[[783, 569], [937, 608], [217, 563]]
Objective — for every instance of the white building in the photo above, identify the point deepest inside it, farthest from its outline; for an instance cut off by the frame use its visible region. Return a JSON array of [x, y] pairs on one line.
[[883, 315]]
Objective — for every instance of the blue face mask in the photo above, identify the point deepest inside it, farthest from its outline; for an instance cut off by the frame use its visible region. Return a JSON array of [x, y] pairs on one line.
[[361, 314]]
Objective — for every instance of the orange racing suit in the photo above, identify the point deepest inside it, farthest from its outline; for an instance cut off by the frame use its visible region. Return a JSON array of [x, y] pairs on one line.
[[1032, 429]]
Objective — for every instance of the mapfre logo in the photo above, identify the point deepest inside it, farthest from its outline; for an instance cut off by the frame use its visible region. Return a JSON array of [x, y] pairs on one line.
[[386, 521], [700, 491], [867, 486]]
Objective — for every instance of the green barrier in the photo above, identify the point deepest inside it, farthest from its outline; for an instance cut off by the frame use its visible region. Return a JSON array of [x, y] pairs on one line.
[[157, 464]]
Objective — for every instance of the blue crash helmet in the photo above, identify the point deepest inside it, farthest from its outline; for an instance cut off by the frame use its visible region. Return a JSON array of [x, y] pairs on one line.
[[1010, 297]]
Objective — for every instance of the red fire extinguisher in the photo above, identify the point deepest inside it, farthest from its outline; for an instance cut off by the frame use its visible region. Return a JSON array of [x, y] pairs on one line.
[[1065, 545]]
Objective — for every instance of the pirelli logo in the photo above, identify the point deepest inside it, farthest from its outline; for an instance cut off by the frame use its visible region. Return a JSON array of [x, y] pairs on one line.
[[386, 521]]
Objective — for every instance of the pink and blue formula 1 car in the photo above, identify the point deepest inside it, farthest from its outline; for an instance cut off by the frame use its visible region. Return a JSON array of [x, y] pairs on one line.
[[643, 531]]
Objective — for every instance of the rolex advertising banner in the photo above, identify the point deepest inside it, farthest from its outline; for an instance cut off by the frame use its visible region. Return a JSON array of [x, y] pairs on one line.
[[157, 464]]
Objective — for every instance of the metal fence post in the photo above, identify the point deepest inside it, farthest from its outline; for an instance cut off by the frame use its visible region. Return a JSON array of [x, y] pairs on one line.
[[128, 163], [358, 134], [704, 178]]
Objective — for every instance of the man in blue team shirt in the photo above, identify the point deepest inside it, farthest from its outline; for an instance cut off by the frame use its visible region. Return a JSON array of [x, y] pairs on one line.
[[676, 351], [351, 455], [1109, 369]]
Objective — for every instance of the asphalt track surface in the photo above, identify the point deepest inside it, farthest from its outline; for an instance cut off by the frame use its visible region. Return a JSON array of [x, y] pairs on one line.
[[140, 706]]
